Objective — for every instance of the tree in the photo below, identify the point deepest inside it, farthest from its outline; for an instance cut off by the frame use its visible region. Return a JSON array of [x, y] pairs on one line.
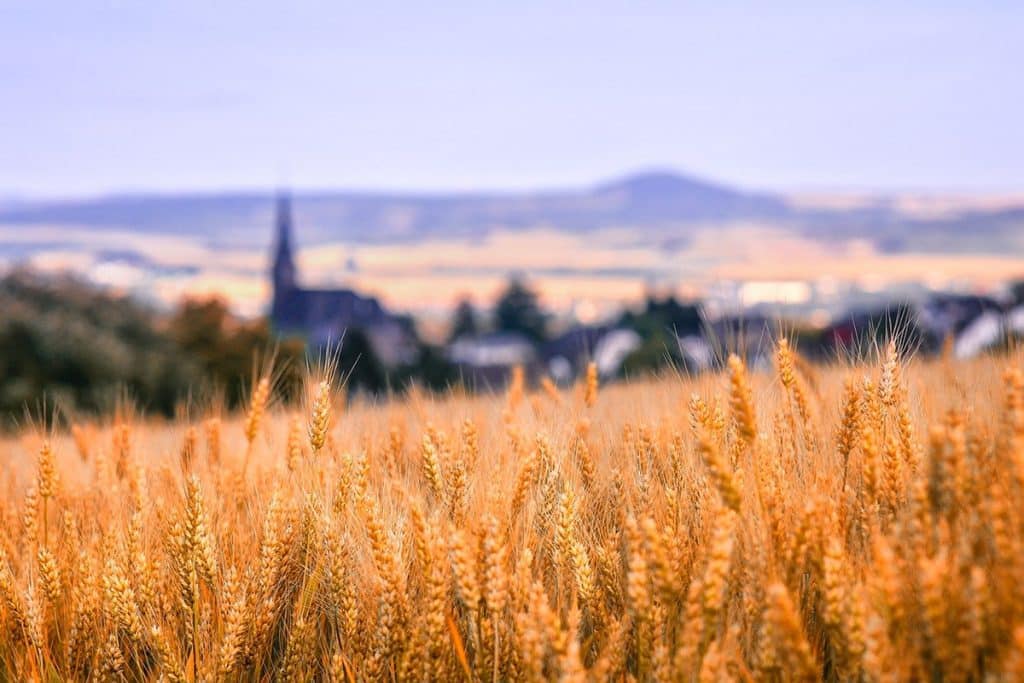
[[225, 347], [658, 325], [668, 314], [658, 350], [431, 370], [1017, 291], [82, 349], [517, 310], [464, 322], [359, 365]]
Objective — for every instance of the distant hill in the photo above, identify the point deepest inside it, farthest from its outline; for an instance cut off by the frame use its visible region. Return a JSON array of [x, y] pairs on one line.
[[656, 199], [662, 206]]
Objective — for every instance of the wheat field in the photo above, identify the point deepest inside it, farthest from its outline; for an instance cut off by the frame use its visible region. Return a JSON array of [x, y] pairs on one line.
[[860, 522]]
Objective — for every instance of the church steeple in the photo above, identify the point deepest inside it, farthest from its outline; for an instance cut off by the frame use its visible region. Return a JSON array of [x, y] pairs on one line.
[[283, 269], [284, 265]]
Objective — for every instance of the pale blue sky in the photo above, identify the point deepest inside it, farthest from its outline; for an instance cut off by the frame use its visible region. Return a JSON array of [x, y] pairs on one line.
[[99, 97]]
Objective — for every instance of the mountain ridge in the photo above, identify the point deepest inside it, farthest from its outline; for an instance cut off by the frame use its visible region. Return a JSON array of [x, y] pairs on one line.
[[659, 204], [645, 196]]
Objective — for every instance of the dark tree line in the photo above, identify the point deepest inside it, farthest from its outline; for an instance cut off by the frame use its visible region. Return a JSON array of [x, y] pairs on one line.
[[85, 350]]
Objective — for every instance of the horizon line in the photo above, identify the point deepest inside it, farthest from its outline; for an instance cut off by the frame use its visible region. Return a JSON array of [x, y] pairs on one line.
[[16, 196]]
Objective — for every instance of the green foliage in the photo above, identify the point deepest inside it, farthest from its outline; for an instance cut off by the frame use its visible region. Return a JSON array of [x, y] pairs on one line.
[[668, 314], [359, 365], [83, 349], [225, 348], [432, 371], [464, 322], [658, 350], [658, 324], [1017, 292], [517, 310]]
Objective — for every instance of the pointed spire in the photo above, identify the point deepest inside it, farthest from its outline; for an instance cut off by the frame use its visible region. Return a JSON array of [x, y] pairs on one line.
[[284, 222], [284, 264]]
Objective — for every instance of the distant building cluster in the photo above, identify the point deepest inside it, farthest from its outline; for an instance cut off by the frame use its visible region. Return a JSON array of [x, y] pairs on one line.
[[666, 332]]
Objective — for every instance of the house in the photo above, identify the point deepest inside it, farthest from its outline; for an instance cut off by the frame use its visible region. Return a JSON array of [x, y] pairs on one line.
[[696, 352], [969, 320], [486, 360], [973, 324], [749, 335], [566, 356], [324, 316]]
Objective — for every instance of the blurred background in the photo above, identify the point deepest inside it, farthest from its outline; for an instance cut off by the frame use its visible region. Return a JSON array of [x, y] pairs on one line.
[[455, 189]]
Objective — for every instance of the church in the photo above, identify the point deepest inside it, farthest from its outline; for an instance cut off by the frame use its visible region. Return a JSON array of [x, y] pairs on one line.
[[324, 316]]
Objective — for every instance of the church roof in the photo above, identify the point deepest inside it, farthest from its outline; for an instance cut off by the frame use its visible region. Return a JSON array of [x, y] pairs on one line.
[[319, 314]]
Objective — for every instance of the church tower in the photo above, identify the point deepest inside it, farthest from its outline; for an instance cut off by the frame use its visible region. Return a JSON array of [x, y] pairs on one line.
[[283, 272]]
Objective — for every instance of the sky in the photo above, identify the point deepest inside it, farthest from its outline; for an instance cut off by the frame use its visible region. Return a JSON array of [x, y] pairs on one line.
[[160, 96]]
